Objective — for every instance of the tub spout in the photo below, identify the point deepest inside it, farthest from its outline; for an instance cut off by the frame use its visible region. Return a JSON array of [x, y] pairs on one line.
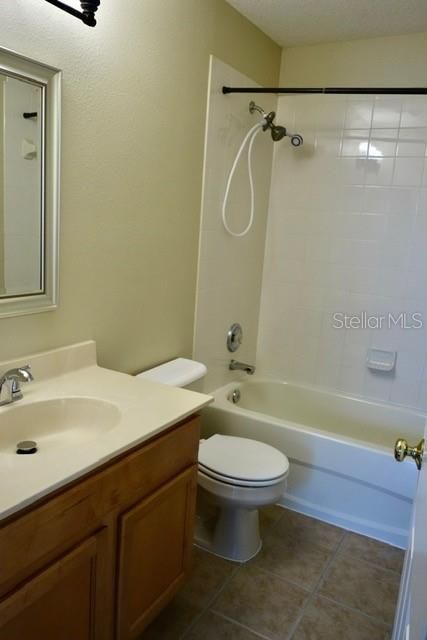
[[241, 366]]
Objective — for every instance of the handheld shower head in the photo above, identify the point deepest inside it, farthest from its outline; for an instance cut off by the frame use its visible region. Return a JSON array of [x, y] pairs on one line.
[[277, 132]]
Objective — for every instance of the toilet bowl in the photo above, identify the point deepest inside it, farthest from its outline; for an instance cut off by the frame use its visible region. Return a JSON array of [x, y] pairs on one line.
[[236, 476]]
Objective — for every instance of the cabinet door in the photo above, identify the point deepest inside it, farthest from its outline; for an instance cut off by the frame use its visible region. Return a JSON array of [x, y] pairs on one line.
[[155, 552], [59, 603]]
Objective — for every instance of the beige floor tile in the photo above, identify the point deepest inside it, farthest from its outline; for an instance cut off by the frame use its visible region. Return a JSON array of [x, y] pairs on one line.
[[299, 561], [362, 586], [207, 577], [269, 516], [262, 602], [295, 526], [378, 553], [213, 627], [172, 621], [324, 620]]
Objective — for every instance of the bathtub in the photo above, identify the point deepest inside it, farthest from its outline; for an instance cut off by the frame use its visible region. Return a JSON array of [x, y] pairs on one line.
[[340, 450]]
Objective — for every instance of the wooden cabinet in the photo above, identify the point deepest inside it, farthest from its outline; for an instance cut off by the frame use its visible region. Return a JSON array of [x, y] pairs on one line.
[[58, 603], [154, 546], [99, 559]]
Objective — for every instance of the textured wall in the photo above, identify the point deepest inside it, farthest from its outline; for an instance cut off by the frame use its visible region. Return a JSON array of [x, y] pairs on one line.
[[134, 100], [392, 61], [1, 188]]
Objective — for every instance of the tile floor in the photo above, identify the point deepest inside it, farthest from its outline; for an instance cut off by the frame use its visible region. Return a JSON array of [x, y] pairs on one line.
[[311, 581]]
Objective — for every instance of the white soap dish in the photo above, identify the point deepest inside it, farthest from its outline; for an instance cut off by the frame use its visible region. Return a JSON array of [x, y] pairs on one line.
[[379, 360]]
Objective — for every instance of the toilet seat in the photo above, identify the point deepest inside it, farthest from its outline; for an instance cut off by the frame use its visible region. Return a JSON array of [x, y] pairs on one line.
[[242, 462], [235, 482]]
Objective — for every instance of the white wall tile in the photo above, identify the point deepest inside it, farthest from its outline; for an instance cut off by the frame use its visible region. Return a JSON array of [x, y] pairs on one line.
[[405, 392], [377, 199], [359, 113], [404, 200], [414, 112], [408, 172], [230, 269], [415, 148], [364, 221], [382, 143], [379, 171], [355, 142], [387, 110]]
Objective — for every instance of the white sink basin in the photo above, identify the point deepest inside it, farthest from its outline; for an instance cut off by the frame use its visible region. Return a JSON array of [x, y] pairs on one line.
[[56, 423]]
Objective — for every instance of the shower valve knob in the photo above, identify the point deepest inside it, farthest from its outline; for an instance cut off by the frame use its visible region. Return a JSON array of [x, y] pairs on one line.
[[234, 337]]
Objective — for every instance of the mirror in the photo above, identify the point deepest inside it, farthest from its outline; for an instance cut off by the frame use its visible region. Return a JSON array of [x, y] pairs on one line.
[[29, 184]]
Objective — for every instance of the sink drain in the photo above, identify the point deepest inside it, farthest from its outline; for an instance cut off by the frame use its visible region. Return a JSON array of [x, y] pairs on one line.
[[26, 447]]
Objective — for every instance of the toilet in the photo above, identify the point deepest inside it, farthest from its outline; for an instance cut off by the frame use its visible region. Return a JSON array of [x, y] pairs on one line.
[[236, 477]]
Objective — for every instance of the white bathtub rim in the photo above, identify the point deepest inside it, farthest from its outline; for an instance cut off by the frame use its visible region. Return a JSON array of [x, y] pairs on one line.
[[221, 402], [321, 389]]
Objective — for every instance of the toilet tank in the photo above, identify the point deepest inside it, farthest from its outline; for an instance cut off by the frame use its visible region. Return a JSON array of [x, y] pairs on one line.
[[181, 372]]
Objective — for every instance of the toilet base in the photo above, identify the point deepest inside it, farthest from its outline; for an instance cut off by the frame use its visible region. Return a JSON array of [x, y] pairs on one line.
[[231, 533]]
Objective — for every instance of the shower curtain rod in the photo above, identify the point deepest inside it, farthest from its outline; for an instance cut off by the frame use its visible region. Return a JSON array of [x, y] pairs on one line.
[[339, 90]]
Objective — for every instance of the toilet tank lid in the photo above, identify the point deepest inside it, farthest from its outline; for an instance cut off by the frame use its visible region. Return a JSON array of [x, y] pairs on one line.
[[177, 373]]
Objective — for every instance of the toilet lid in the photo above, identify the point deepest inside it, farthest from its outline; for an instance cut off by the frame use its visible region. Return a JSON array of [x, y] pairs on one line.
[[241, 459]]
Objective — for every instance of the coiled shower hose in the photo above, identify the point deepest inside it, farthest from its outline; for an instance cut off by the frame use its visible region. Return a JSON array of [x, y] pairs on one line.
[[251, 135]]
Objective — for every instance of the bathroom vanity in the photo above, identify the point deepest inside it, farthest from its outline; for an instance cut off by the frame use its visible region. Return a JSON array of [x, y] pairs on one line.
[[95, 552]]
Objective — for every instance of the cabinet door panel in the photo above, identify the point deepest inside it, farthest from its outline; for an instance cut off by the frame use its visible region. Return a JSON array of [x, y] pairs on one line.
[[58, 603], [155, 551]]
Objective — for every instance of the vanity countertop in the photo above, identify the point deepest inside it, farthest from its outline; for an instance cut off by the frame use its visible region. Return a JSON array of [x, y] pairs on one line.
[[140, 408]]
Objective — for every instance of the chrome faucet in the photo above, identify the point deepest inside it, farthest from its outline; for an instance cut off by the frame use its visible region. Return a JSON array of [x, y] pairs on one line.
[[10, 388], [241, 366]]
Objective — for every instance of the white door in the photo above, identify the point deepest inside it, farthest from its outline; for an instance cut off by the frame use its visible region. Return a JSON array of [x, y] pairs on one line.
[[411, 615]]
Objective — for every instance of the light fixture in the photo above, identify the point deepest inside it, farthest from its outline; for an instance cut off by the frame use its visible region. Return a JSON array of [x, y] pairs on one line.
[[86, 15]]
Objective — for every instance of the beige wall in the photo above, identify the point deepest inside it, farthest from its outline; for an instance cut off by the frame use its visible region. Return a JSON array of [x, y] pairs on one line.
[[392, 61], [134, 100]]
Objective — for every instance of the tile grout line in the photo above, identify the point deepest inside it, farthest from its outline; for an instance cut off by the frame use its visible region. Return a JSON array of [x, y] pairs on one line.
[[374, 565], [339, 551], [278, 576], [345, 533], [330, 561], [315, 591], [210, 602], [311, 594], [236, 569], [242, 626], [358, 611], [213, 599]]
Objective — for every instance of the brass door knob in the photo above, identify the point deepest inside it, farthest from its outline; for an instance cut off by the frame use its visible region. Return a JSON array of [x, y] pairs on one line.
[[402, 449]]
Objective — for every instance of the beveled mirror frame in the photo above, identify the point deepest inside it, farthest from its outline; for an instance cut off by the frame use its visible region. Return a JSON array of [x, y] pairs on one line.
[[49, 79]]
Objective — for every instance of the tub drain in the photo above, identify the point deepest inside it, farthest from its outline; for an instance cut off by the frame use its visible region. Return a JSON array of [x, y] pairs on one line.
[[235, 396], [26, 447]]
